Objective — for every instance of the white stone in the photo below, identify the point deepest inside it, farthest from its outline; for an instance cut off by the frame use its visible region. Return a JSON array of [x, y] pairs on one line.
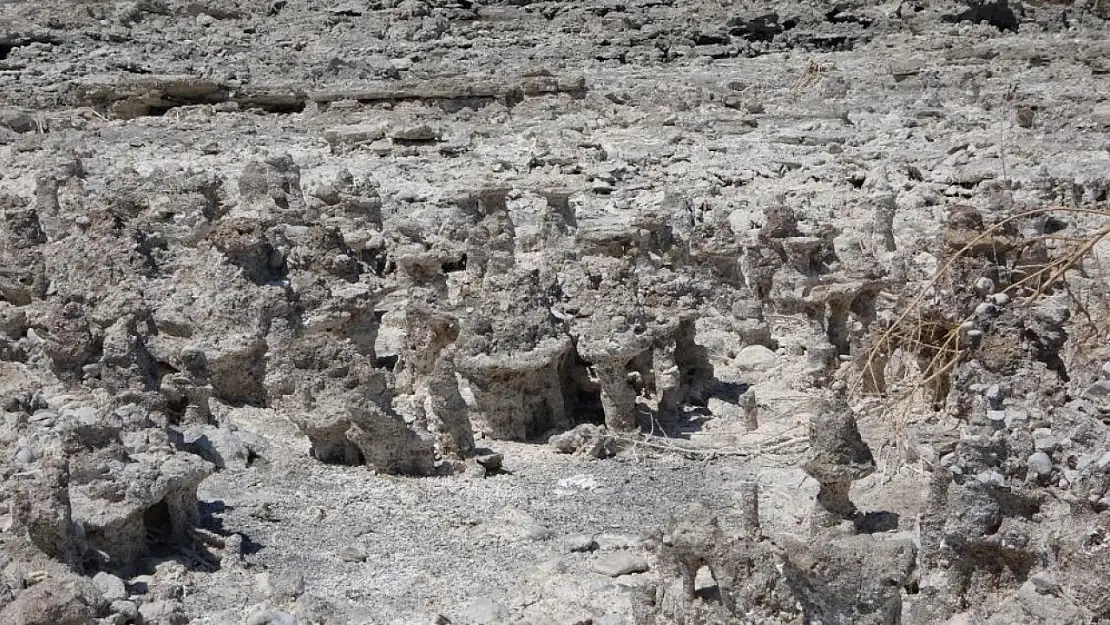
[[620, 563], [110, 586], [756, 358], [1040, 463]]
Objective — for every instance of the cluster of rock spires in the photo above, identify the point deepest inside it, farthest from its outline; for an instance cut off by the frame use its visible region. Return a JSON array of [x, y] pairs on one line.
[[139, 309], [520, 318], [207, 296], [1015, 525]]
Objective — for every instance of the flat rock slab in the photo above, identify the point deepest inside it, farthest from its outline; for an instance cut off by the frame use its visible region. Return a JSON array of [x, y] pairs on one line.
[[620, 563]]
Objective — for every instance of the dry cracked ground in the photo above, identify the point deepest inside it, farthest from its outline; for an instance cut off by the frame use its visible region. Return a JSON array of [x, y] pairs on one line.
[[574, 313]]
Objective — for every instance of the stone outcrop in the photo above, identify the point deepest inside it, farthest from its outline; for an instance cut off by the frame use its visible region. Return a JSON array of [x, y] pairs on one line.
[[838, 456]]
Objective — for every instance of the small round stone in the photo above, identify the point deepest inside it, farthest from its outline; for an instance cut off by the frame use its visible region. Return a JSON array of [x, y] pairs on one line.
[[1040, 464]]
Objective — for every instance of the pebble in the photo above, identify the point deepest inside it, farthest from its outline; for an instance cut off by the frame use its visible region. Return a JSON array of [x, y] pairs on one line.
[[1024, 116], [1105, 372], [620, 563], [984, 286], [24, 456], [1000, 299], [1040, 463]]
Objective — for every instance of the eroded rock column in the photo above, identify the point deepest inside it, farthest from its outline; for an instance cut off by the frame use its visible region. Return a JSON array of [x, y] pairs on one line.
[[618, 397], [838, 456]]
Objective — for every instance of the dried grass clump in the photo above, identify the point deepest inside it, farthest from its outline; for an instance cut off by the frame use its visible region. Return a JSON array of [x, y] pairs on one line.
[[933, 331]]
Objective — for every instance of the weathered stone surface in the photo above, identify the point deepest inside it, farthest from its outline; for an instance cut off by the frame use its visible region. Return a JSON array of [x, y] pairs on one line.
[[432, 234], [620, 563]]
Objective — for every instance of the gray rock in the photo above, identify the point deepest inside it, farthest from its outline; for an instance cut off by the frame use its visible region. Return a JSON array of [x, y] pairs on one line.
[[352, 553], [490, 462], [85, 415], [616, 542], [1040, 463], [580, 543], [110, 586], [220, 446], [1016, 417], [163, 613], [24, 456], [1045, 583], [421, 132], [991, 478], [53, 602], [620, 563], [129, 610], [1099, 389], [906, 67], [995, 395], [355, 135], [756, 358], [1043, 440], [587, 439]]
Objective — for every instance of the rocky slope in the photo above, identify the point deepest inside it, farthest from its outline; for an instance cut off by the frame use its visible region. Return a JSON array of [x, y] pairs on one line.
[[551, 312]]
